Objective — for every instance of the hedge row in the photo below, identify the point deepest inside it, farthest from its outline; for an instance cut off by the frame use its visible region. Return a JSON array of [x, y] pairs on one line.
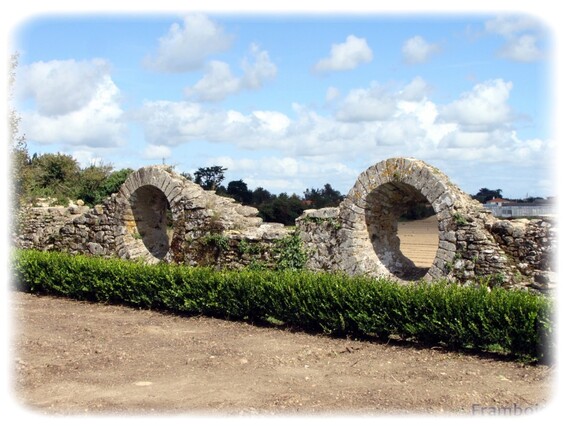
[[512, 322]]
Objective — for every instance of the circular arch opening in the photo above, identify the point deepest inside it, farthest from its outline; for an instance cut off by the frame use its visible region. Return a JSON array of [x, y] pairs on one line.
[[403, 229], [153, 219]]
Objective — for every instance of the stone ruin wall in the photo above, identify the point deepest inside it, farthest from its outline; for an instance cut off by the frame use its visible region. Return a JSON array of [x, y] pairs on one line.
[[360, 236], [159, 215], [156, 215]]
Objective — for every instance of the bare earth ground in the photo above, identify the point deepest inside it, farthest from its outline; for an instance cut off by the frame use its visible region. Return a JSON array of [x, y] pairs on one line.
[[75, 357]]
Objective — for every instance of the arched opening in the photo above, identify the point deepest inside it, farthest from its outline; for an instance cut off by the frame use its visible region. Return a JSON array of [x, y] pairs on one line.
[[153, 220], [403, 233]]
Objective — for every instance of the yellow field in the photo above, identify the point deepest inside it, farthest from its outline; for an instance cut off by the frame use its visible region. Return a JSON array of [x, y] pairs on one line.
[[419, 240]]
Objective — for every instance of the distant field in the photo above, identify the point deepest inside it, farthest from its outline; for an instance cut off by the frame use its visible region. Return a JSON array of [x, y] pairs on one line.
[[418, 240]]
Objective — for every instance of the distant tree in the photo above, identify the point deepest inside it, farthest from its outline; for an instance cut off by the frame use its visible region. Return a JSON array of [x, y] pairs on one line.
[[538, 200], [321, 198], [187, 176], [114, 181], [222, 191], [260, 195], [55, 175], [418, 211], [239, 191], [101, 189], [484, 194], [282, 209], [91, 181], [210, 177]]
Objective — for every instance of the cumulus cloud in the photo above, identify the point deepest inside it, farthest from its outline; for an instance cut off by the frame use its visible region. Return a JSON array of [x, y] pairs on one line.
[[346, 56], [219, 81], [508, 25], [61, 87], [476, 126], [416, 50], [522, 49], [483, 108], [332, 94], [261, 70], [156, 152], [369, 104], [497, 146], [185, 48], [86, 158], [403, 131], [416, 90], [170, 123], [521, 37], [76, 103]]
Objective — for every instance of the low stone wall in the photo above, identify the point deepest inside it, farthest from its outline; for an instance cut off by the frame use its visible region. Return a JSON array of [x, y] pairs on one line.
[[158, 215], [38, 227], [360, 237], [530, 245]]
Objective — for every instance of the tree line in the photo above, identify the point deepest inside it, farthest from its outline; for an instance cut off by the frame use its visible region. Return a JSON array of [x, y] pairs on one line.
[[59, 177], [485, 195], [280, 208]]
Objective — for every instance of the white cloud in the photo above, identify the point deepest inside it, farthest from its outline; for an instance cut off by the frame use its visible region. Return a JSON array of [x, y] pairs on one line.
[[219, 82], [466, 140], [61, 87], [316, 148], [172, 123], [404, 131], [86, 158], [521, 49], [416, 90], [370, 104], [186, 47], [509, 25], [484, 107], [77, 104], [272, 121], [416, 50], [521, 37], [346, 56], [156, 152], [497, 146], [262, 69], [332, 94]]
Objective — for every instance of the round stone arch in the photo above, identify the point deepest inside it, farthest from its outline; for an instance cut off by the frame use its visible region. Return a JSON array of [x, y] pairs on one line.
[[148, 211], [373, 206]]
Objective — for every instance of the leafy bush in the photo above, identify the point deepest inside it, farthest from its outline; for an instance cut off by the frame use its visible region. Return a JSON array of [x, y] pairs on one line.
[[512, 322], [289, 253]]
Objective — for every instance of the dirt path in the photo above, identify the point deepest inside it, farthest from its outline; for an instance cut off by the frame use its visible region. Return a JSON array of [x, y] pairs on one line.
[[75, 357]]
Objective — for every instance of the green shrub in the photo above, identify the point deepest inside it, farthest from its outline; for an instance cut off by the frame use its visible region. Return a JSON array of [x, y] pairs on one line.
[[289, 253], [512, 322]]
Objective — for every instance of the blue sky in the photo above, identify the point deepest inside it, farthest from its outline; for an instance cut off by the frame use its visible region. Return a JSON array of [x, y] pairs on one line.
[[290, 101]]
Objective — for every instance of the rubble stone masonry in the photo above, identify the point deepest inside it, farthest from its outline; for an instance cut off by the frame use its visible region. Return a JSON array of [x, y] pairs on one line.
[[158, 215]]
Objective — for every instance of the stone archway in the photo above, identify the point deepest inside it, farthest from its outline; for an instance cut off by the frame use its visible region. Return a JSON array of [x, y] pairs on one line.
[[386, 204], [148, 212], [151, 212], [370, 213]]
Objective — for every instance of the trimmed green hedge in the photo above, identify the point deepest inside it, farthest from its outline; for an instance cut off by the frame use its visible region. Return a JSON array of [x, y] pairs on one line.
[[512, 322]]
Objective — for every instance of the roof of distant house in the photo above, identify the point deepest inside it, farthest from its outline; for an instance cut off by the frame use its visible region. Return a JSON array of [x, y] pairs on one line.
[[497, 200]]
